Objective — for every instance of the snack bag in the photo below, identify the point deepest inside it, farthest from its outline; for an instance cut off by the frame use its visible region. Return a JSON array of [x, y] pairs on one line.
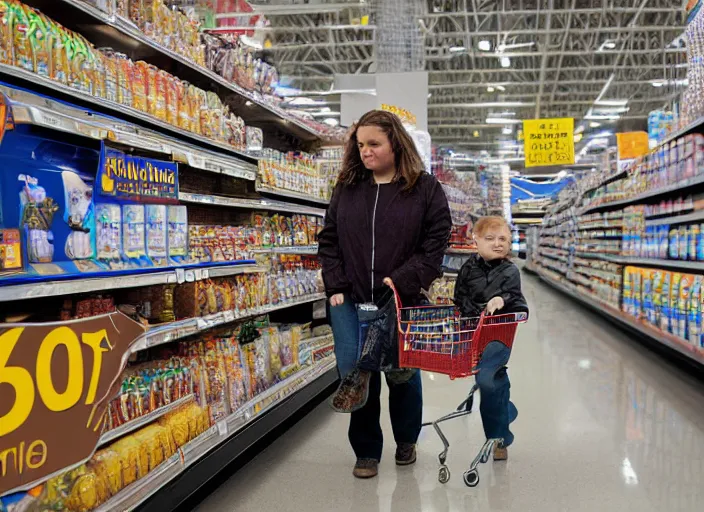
[[39, 43], [674, 243], [110, 66], [694, 312], [683, 299], [693, 238], [21, 46], [6, 35], [648, 305], [140, 86], [674, 313], [683, 242]]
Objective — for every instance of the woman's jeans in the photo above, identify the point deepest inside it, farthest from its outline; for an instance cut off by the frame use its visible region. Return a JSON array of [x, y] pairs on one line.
[[405, 399], [495, 407]]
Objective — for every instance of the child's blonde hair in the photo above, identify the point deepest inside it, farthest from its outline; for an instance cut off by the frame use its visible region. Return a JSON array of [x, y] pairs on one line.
[[486, 223]]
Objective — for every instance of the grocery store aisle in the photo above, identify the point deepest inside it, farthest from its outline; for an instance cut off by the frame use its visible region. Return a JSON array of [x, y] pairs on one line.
[[604, 424]]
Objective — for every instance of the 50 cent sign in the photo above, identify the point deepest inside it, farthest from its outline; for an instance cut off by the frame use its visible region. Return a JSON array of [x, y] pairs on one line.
[[56, 381]]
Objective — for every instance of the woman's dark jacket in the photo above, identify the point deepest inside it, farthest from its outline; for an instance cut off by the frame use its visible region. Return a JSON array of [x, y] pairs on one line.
[[412, 231], [480, 281]]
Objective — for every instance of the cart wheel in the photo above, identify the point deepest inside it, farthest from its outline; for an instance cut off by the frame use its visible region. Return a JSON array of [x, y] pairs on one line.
[[470, 404], [444, 475], [471, 478]]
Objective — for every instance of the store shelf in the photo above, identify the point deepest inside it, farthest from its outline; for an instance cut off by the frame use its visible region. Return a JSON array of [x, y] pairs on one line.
[[666, 339], [37, 289], [650, 194], [696, 266], [290, 194], [302, 249], [33, 108], [677, 219], [250, 204], [221, 446], [121, 35], [173, 331], [138, 423]]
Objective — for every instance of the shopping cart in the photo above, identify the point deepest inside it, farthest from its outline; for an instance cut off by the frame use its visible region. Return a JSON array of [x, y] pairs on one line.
[[439, 339]]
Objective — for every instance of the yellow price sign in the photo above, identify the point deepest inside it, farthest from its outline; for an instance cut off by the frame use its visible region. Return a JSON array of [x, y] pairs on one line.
[[56, 380], [632, 145], [548, 141]]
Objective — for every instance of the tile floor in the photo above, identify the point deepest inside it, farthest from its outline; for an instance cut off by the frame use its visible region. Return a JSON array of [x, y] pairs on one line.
[[604, 425]]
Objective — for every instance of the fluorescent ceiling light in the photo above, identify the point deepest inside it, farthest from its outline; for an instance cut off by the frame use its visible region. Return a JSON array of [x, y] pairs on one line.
[[501, 88], [499, 120], [504, 47], [594, 124], [507, 130], [484, 45], [505, 62], [658, 83], [331, 121], [612, 103], [490, 89], [457, 49], [607, 45], [486, 104]]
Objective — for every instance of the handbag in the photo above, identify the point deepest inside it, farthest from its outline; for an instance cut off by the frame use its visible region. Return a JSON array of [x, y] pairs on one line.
[[377, 352]]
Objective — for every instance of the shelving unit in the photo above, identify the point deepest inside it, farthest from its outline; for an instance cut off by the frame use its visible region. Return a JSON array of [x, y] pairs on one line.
[[656, 297], [219, 187], [121, 35]]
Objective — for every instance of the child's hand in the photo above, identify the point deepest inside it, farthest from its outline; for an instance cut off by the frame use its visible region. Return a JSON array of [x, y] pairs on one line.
[[494, 304]]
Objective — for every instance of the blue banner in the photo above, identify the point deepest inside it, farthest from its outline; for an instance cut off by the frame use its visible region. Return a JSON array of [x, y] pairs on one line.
[[125, 176]]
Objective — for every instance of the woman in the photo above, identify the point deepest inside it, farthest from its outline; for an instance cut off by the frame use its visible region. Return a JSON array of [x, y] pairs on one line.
[[489, 281], [388, 222]]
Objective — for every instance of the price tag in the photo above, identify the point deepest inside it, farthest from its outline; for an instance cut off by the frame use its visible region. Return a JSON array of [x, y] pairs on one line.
[[190, 276], [197, 161], [205, 273], [202, 324], [209, 165], [180, 275], [198, 274], [229, 316], [222, 427]]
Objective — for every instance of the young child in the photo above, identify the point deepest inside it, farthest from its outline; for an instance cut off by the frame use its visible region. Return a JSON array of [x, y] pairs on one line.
[[489, 281]]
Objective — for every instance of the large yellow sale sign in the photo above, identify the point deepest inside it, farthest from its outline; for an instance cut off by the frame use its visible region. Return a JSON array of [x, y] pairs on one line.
[[548, 141]]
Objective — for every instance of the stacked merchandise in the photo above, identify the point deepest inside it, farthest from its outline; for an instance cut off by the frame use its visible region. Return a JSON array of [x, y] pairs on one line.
[[313, 176], [631, 242], [215, 377], [66, 57], [103, 249], [668, 301]]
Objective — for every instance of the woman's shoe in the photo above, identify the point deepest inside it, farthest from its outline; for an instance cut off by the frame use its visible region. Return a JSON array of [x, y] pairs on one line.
[[500, 452], [405, 454], [366, 468]]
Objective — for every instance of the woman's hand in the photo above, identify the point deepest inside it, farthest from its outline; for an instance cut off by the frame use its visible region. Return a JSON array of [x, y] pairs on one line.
[[494, 304], [337, 300]]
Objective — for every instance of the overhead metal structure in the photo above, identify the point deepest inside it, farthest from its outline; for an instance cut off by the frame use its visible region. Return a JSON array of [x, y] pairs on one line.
[[593, 60]]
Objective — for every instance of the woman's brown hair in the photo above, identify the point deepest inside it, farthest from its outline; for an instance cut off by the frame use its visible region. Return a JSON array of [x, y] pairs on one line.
[[409, 164]]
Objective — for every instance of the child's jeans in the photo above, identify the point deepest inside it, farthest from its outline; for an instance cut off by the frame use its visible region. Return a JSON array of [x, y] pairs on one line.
[[496, 409], [405, 398]]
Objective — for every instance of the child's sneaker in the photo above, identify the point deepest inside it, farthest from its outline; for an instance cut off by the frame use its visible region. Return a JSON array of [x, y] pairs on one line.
[[500, 452], [405, 454], [366, 468]]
